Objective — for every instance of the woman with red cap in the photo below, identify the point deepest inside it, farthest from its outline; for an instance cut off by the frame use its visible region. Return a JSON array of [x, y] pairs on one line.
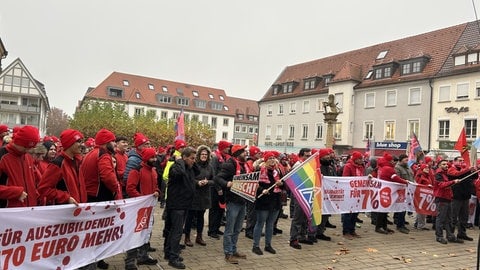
[[60, 183]]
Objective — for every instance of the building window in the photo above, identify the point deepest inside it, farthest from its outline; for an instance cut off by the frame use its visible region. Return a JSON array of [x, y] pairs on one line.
[[237, 128], [378, 73], [444, 93], [306, 106], [304, 131], [137, 95], [225, 122], [195, 118], [210, 95], [202, 104], [416, 67], [369, 74], [462, 91], [309, 84], [414, 96], [126, 83], [213, 123], [387, 72], [113, 92], [240, 116], [138, 111], [250, 130], [221, 97], [205, 119], [224, 135], [477, 90], [471, 128], [406, 68], [275, 89], [288, 88], [291, 131], [390, 98], [293, 107], [164, 99], [163, 115], [195, 93], [319, 106], [413, 126], [280, 108], [443, 129], [151, 86], [182, 101], [459, 60], [269, 110], [370, 100], [216, 106], [339, 100], [164, 89], [279, 132], [472, 58], [268, 132], [389, 130], [368, 130], [327, 80], [382, 54], [318, 131], [337, 131]]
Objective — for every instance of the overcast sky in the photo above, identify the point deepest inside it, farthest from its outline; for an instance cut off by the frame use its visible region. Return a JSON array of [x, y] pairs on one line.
[[238, 46]]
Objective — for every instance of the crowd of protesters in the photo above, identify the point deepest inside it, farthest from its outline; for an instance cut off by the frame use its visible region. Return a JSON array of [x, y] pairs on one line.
[[188, 181]]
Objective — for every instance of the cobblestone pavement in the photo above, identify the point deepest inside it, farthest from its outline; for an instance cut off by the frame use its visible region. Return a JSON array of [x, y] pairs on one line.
[[417, 250]]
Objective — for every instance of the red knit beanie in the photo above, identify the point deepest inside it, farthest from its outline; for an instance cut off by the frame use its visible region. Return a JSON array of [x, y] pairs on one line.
[[27, 136], [104, 136], [139, 139], [268, 154], [3, 128], [147, 153], [69, 136], [323, 152], [387, 157], [180, 144], [356, 155], [222, 145]]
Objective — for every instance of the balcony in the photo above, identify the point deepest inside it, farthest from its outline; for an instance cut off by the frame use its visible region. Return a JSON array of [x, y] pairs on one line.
[[19, 108]]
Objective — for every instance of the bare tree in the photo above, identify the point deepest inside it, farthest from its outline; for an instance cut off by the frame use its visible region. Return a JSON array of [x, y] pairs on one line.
[[57, 121]]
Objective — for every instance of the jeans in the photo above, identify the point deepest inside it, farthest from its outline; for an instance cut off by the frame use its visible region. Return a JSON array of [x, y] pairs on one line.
[[444, 219], [400, 219], [172, 241], [460, 216], [235, 216], [349, 221], [267, 218]]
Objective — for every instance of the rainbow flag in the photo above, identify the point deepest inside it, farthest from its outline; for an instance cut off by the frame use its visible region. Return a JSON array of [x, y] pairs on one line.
[[304, 181]]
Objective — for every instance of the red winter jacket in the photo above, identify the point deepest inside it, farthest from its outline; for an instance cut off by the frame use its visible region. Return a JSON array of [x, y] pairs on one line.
[[17, 174], [142, 182], [386, 171], [442, 186], [423, 178], [121, 165], [99, 176], [60, 181], [353, 169]]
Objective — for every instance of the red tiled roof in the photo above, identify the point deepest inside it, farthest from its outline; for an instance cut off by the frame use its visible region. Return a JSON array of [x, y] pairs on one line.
[[146, 96], [355, 65], [245, 107]]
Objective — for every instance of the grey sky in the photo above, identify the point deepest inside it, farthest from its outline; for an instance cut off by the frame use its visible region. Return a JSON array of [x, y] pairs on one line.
[[238, 46]]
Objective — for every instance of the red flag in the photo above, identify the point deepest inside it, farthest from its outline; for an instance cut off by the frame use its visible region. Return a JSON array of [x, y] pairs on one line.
[[462, 146], [180, 127]]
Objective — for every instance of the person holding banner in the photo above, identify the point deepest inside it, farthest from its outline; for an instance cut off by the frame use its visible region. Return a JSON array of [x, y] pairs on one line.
[[268, 202], [386, 171], [423, 177], [17, 166], [235, 214], [60, 183], [180, 192], [443, 198], [354, 167]]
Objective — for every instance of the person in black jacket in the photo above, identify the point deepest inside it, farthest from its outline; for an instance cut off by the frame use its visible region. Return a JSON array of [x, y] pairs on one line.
[[180, 192]]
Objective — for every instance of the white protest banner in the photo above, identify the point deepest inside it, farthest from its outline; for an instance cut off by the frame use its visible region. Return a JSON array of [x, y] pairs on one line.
[[245, 185], [67, 237], [472, 208], [420, 199], [361, 194]]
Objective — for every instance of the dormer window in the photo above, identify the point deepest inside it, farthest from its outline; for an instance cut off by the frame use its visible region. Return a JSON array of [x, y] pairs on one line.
[[137, 95], [384, 70], [415, 65], [310, 83], [275, 89], [115, 92], [327, 80], [288, 87]]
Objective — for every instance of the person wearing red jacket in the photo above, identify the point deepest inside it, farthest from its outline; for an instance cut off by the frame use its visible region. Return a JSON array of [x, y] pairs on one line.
[[60, 183], [142, 181], [442, 190], [422, 177], [97, 169], [354, 167], [17, 173], [386, 172]]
